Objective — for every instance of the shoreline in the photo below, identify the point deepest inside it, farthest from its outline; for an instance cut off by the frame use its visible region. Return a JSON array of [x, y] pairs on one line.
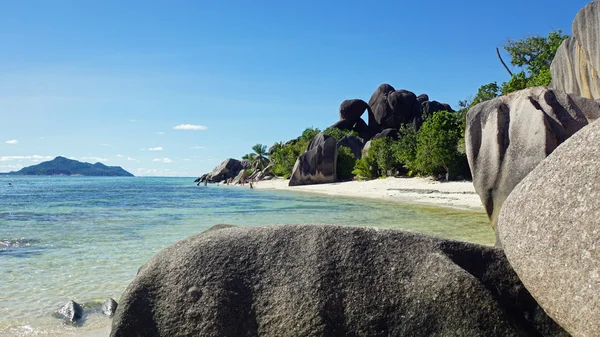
[[415, 190]]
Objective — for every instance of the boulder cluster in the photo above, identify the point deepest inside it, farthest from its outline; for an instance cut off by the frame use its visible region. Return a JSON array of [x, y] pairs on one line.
[[233, 171], [387, 110], [535, 160]]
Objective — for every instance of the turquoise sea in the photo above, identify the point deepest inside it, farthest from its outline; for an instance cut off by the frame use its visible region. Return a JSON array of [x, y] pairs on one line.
[[83, 238]]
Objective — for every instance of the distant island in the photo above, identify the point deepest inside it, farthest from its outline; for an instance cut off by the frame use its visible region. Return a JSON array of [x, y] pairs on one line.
[[61, 166]]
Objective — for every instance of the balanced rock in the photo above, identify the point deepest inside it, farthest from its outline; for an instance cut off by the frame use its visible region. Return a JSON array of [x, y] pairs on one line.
[[318, 164], [576, 65], [353, 109], [550, 230], [302, 280], [354, 143], [71, 312], [509, 136]]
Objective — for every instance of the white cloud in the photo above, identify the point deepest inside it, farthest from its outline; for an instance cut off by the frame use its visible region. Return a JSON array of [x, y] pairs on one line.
[[133, 120], [190, 127], [163, 160], [198, 147], [130, 159], [96, 159], [34, 157], [158, 148], [120, 156], [160, 133], [12, 141]]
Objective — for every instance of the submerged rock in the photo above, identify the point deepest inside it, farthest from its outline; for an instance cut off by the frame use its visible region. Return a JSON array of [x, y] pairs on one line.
[[109, 307], [550, 229], [301, 280], [71, 312]]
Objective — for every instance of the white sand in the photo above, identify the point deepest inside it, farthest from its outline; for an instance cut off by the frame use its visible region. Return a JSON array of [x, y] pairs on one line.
[[455, 194]]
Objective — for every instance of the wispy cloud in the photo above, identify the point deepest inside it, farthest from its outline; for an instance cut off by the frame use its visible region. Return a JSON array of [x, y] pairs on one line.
[[34, 158], [12, 141], [107, 145], [96, 159], [120, 156], [133, 120], [198, 147], [160, 133], [190, 127], [158, 148], [163, 160], [131, 159]]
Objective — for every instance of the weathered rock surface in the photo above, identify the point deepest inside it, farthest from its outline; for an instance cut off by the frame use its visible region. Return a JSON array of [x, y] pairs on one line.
[[550, 230], [355, 145], [353, 109], [577, 61], [294, 280], [109, 307], [510, 135], [379, 107], [318, 164], [71, 312]]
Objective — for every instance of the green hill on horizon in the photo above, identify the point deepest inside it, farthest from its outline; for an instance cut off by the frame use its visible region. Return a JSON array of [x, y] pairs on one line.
[[69, 167]]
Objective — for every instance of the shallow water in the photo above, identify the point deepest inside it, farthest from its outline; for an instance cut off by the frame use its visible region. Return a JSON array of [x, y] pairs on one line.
[[84, 238]]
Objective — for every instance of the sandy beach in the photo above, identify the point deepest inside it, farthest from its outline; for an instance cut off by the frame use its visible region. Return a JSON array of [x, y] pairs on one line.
[[454, 194]]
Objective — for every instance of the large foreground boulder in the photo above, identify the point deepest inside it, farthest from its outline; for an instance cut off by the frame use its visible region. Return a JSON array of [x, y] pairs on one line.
[[294, 280], [318, 164], [550, 230], [510, 135], [576, 65]]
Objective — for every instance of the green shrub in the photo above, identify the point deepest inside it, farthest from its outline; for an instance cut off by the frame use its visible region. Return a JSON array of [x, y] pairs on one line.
[[363, 169], [345, 163], [338, 134], [437, 144], [406, 147]]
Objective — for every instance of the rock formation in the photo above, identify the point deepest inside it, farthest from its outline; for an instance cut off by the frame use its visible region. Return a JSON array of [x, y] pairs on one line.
[[318, 164], [390, 108], [229, 168], [295, 280], [576, 65], [510, 135], [550, 230]]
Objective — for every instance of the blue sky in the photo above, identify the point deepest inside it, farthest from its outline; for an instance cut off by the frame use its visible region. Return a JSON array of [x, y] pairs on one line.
[[110, 81]]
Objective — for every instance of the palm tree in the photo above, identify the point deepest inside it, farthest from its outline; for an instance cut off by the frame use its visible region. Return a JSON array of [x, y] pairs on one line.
[[249, 156], [260, 156]]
